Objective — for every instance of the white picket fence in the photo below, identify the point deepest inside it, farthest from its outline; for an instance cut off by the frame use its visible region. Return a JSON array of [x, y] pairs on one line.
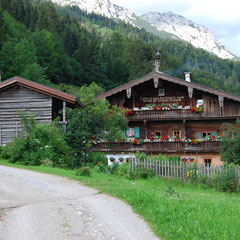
[[173, 169]]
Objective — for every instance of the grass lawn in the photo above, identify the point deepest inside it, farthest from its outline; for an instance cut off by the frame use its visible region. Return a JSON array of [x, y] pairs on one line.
[[173, 209]]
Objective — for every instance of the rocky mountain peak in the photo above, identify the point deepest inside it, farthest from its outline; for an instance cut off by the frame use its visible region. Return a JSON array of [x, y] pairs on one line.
[[170, 22], [196, 34]]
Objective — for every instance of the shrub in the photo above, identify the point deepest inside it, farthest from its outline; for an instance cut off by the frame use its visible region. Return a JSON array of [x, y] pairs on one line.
[[95, 158], [227, 182], [42, 144], [1, 149], [123, 170], [141, 173], [103, 168], [83, 171]]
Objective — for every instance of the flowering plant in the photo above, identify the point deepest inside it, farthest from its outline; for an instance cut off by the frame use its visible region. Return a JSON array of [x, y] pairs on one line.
[[137, 142], [130, 112], [112, 159], [195, 109], [92, 142], [196, 141]]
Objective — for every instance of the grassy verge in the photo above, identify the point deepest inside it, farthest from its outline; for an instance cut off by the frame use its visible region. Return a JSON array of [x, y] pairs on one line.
[[174, 210]]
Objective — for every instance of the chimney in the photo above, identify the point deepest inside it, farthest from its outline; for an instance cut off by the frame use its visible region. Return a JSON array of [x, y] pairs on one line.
[[188, 76], [1, 76]]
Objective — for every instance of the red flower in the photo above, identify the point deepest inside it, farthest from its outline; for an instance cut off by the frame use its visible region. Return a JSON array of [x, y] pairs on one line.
[[165, 138], [99, 162], [135, 142], [151, 138], [131, 112], [193, 109]]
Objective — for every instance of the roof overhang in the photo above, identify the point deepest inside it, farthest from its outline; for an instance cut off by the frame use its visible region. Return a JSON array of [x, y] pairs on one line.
[[41, 89], [156, 74]]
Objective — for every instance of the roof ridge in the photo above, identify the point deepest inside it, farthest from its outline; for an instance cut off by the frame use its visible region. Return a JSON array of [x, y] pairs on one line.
[[40, 88]]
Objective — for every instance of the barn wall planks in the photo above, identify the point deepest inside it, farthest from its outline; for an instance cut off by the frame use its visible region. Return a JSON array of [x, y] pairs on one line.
[[17, 99]]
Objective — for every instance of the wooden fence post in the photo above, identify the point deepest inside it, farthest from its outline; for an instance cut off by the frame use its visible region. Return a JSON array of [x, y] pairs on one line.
[[0, 134]]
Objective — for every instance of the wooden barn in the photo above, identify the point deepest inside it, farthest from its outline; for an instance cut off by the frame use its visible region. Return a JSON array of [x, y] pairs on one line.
[[44, 103], [172, 116]]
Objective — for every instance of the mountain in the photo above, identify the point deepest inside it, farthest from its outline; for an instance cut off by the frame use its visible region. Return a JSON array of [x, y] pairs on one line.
[[110, 10], [199, 36], [165, 25], [102, 7]]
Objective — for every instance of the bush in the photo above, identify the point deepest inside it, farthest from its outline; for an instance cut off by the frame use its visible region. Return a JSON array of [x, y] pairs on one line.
[[83, 171], [95, 158], [123, 170], [42, 144], [1, 150], [141, 173], [227, 182], [103, 168]]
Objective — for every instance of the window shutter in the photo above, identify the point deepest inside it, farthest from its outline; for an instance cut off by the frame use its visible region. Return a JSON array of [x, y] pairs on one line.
[[214, 134], [123, 133], [137, 132], [199, 135]]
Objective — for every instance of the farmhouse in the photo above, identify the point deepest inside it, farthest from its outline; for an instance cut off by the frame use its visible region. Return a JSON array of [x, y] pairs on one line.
[[171, 116], [44, 103]]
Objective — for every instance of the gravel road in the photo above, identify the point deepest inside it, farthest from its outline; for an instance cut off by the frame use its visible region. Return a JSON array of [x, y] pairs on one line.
[[36, 206]]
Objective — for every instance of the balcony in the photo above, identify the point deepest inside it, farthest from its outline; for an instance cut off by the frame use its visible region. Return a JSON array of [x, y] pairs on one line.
[[159, 147], [167, 114]]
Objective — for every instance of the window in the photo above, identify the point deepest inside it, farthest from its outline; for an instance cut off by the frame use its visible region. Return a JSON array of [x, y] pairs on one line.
[[133, 132], [161, 92], [177, 133], [158, 133], [208, 162], [130, 132], [201, 135], [205, 134], [200, 103]]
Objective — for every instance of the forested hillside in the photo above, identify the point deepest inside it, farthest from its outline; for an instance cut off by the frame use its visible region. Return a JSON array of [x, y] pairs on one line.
[[43, 42]]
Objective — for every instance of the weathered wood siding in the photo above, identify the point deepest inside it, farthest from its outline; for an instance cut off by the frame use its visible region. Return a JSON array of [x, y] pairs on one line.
[[18, 98]]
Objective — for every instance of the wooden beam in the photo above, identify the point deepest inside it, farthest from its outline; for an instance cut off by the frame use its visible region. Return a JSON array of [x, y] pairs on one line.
[[221, 104], [64, 111], [146, 129], [185, 129]]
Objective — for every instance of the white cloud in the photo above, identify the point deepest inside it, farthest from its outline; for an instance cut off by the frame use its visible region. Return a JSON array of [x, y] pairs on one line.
[[223, 11]]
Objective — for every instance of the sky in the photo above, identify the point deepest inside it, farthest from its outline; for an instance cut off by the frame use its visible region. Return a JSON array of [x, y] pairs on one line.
[[222, 17]]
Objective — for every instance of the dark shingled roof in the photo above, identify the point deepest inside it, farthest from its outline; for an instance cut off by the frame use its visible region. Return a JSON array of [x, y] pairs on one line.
[[156, 74], [39, 88]]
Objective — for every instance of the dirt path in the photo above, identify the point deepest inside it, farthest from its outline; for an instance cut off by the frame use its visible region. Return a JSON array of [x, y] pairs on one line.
[[36, 206]]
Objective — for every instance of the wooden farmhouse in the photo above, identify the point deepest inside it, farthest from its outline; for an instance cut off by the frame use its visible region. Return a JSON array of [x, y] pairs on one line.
[[44, 103], [171, 116]]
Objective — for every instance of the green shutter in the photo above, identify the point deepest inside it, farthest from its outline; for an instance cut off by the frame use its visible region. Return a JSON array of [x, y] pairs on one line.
[[199, 135], [214, 134], [137, 132], [123, 133]]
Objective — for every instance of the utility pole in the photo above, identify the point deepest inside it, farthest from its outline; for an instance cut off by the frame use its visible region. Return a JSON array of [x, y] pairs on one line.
[[1, 76]]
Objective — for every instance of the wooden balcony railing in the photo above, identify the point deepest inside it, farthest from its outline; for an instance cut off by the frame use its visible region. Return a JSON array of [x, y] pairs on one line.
[[167, 114], [161, 147]]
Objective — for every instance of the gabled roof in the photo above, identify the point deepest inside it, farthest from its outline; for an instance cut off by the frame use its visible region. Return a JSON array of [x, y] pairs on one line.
[[39, 88], [156, 74]]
